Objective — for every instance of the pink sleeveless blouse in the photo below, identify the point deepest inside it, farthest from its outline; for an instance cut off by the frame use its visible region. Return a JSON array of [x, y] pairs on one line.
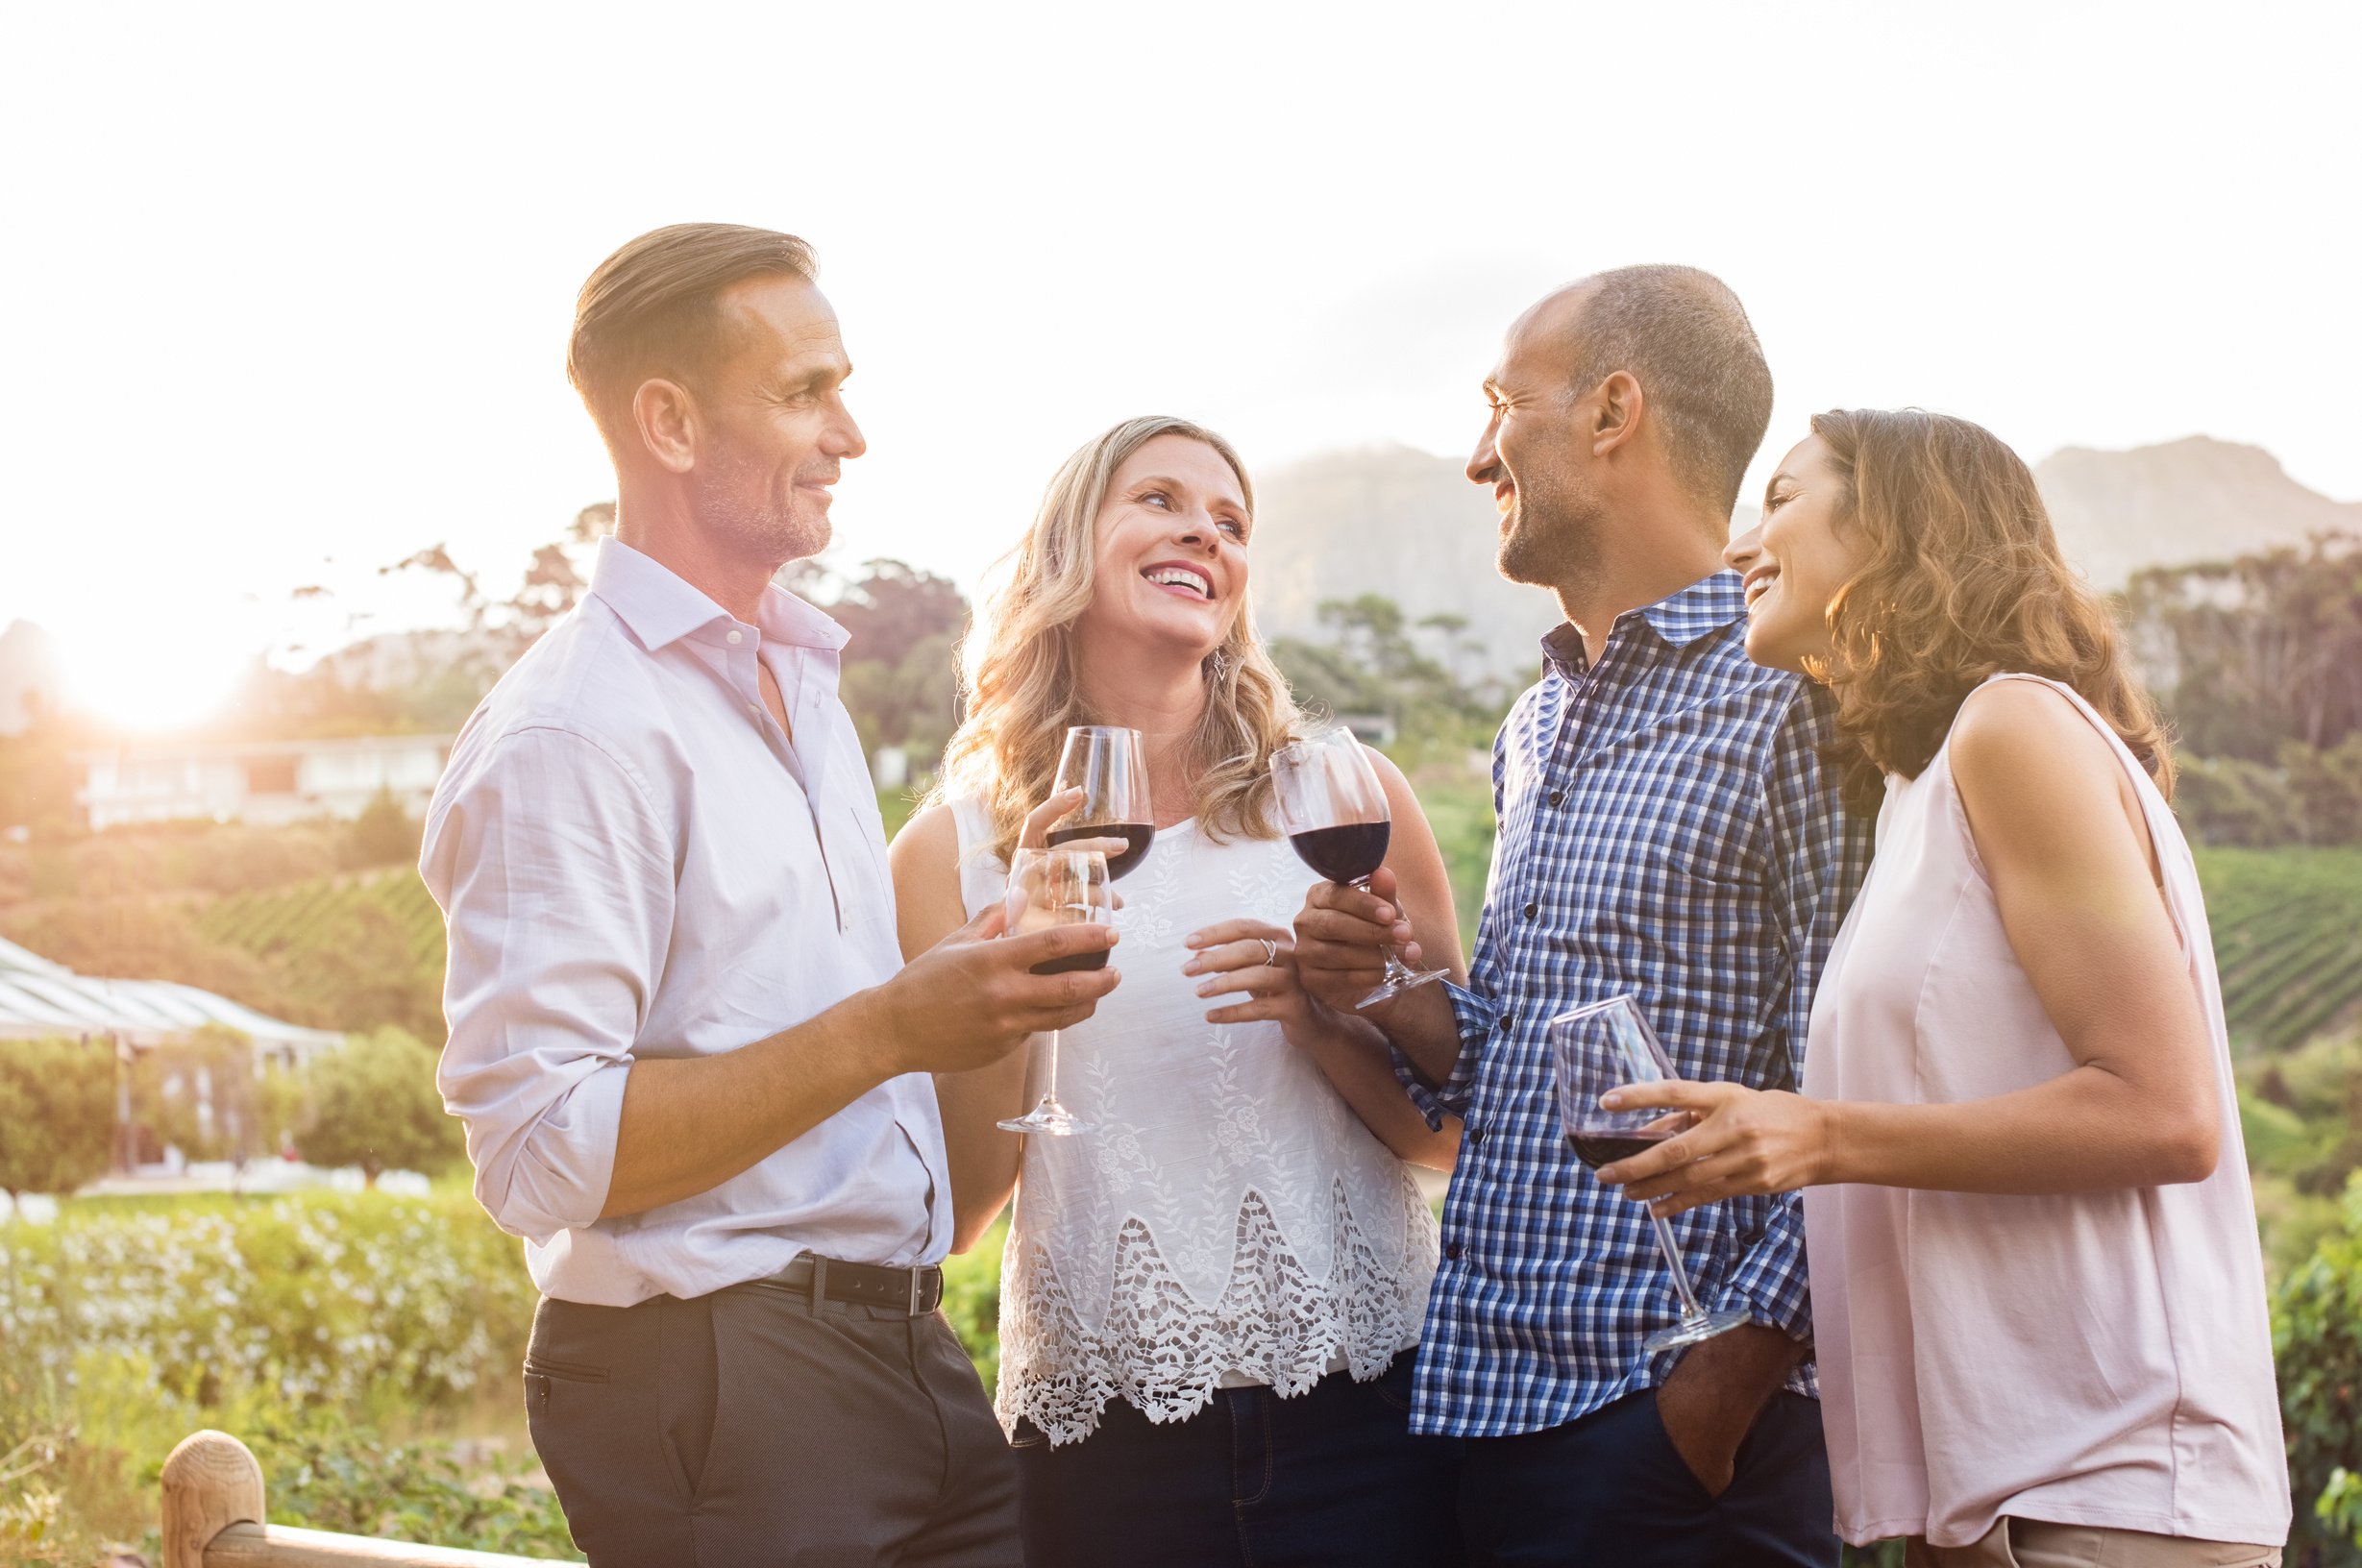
[[2098, 1359]]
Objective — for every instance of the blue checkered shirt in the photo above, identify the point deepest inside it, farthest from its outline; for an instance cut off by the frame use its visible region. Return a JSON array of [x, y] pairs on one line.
[[1667, 830]]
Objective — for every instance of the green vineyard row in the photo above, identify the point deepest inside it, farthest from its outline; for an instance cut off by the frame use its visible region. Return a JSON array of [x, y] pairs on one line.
[[2288, 936], [292, 922]]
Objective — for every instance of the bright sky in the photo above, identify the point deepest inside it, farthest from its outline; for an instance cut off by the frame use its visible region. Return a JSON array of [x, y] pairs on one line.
[[288, 290]]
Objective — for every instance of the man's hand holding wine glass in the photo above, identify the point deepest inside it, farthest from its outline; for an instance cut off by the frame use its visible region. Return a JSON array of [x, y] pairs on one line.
[[973, 997]]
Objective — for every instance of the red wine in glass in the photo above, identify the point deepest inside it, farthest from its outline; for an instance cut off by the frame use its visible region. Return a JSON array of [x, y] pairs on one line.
[[1051, 887], [1106, 764], [1592, 1050], [1346, 853], [1605, 1147], [1336, 814], [1136, 836]]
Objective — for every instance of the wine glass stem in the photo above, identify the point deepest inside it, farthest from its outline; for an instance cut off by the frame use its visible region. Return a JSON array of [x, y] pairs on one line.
[[1692, 1312], [1395, 968], [1049, 1078]]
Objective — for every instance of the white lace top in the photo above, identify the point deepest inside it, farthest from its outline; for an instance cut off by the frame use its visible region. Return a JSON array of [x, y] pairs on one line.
[[1228, 1219]]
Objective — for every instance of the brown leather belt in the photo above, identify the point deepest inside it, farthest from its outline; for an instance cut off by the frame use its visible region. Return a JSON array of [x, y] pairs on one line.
[[914, 1292]]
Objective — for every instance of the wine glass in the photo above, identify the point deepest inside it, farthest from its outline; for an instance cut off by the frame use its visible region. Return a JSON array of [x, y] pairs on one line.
[[1049, 888], [1603, 1046], [1334, 812], [1105, 763]]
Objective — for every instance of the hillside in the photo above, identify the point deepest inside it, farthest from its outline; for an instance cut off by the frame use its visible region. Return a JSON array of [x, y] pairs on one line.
[[1397, 522], [1409, 526], [2193, 500]]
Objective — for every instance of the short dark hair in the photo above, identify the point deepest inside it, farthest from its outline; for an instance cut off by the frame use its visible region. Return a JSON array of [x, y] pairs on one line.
[[649, 308], [1682, 334]]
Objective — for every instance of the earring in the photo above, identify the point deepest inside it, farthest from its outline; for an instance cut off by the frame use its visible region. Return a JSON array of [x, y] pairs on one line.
[[1217, 664]]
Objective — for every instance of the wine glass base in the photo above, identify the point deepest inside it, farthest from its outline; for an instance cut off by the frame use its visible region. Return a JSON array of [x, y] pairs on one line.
[[1049, 1119], [1396, 986], [1690, 1331]]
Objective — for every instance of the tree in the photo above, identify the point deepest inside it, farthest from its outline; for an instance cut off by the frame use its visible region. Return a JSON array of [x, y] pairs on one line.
[[372, 1103], [2251, 652], [384, 834], [57, 1113]]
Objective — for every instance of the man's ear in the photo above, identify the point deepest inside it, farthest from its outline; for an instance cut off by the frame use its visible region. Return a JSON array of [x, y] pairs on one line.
[[1616, 412], [666, 416]]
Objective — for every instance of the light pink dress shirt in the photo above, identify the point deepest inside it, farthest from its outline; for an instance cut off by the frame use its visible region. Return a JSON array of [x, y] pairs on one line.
[[633, 860], [2099, 1359]]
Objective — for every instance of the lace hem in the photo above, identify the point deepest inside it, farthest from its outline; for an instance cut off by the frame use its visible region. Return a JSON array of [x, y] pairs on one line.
[[1166, 1355]]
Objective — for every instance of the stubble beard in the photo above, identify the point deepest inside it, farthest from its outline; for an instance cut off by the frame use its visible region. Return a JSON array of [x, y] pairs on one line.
[[1553, 540], [734, 500]]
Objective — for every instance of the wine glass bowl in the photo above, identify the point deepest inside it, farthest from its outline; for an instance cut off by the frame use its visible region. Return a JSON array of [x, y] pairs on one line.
[[1604, 1046], [1334, 808], [1106, 763], [1051, 887]]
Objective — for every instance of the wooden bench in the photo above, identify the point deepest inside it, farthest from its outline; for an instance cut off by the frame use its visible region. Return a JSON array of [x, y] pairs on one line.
[[213, 1519]]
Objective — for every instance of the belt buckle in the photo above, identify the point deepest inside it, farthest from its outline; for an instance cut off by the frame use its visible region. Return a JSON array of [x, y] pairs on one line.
[[914, 1293]]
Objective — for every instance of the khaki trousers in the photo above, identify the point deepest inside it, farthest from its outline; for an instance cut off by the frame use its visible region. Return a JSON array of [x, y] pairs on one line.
[[2031, 1543]]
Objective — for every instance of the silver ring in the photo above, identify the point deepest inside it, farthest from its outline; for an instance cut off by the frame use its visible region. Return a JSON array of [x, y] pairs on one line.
[[1271, 951]]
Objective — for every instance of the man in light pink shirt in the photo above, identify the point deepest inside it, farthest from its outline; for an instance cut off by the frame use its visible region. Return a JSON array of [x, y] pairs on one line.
[[692, 1068]]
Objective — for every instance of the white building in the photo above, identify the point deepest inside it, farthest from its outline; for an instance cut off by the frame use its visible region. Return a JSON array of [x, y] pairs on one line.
[[268, 782]]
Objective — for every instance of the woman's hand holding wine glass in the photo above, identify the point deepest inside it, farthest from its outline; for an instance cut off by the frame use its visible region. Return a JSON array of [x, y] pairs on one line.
[[1732, 1141]]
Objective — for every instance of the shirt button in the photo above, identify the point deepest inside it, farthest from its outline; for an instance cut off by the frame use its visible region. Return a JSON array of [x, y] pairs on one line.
[[755, 708], [1531, 910], [735, 637], [1454, 1251], [1476, 1135], [1557, 795]]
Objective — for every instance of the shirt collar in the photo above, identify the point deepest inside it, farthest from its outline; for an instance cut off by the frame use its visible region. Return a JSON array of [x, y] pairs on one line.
[[1678, 619], [660, 607]]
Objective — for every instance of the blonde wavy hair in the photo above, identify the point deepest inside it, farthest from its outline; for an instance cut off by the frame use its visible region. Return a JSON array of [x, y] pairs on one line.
[[1018, 683], [1964, 580]]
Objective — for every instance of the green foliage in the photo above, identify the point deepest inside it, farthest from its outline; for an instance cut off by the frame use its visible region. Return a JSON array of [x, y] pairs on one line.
[[372, 1103], [57, 1113], [384, 834], [312, 1327], [1379, 661], [2317, 1341], [972, 1300], [2229, 801], [324, 1474], [336, 953]]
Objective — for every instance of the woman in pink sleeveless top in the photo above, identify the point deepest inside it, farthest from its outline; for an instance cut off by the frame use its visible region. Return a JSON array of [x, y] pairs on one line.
[[2037, 1293]]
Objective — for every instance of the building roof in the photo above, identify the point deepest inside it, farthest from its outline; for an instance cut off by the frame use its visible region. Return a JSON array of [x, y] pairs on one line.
[[39, 998]]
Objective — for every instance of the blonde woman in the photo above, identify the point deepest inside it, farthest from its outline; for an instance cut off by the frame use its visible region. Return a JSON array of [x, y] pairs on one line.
[[2036, 1287], [1210, 1301]]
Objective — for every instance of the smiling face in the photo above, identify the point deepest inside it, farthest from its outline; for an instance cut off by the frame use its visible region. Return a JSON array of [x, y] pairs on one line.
[[1797, 558], [776, 429], [1531, 454], [1169, 562]]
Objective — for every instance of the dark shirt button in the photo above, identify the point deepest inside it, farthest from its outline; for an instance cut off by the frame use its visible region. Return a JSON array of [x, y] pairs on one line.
[[1509, 1023], [1476, 1134], [1557, 795], [1453, 1250], [1531, 910]]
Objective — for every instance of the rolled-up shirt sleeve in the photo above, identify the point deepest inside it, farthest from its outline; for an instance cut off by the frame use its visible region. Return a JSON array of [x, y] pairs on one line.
[[555, 874]]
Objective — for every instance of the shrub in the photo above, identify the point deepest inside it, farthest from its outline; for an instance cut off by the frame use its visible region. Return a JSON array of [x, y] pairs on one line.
[[372, 1103], [2317, 1336], [57, 1113]]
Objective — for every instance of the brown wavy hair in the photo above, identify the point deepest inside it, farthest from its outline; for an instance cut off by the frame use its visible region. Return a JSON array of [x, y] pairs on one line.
[[1018, 677], [1965, 581]]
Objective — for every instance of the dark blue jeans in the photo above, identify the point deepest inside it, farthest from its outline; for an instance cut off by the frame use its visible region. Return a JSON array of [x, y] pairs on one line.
[[1611, 1491], [1330, 1479]]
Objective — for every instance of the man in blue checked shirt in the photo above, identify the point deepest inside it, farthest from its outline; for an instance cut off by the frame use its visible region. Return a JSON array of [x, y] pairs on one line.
[[1667, 830]]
